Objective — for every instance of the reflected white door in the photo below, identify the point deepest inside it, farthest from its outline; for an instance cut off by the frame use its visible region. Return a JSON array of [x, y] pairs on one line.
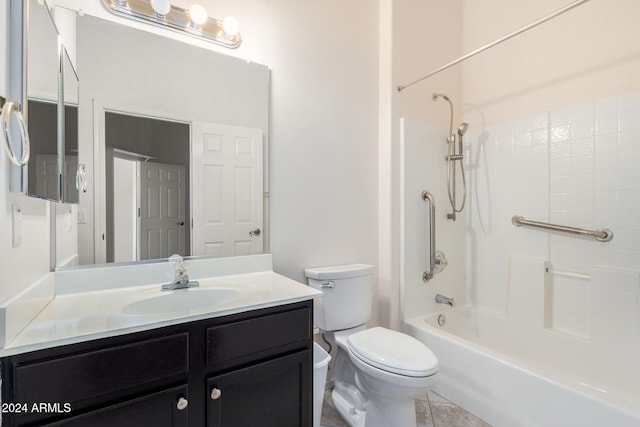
[[125, 210], [162, 210], [227, 189]]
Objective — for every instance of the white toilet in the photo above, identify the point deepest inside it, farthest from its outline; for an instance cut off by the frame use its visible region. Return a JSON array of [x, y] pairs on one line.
[[377, 372]]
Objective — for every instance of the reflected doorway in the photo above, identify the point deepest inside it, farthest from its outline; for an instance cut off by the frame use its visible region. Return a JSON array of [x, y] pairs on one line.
[[147, 164]]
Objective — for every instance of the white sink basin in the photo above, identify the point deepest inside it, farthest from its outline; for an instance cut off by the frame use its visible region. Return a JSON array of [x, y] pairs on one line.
[[182, 300]]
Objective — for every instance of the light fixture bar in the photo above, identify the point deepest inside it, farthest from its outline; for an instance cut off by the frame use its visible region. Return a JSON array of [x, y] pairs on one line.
[[176, 19]]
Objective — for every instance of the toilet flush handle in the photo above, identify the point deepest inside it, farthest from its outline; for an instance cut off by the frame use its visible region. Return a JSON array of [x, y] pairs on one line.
[[329, 284]]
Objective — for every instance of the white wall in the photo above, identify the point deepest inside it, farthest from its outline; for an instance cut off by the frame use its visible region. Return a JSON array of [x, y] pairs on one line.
[[323, 131], [27, 263], [588, 53], [324, 141]]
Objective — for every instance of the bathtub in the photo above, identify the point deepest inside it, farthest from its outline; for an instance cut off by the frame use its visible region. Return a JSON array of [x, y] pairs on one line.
[[513, 375]]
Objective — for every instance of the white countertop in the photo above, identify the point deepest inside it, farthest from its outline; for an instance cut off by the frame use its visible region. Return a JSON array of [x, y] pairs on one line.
[[75, 317]]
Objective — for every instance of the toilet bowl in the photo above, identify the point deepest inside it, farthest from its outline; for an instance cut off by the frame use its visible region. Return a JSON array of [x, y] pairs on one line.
[[377, 372]]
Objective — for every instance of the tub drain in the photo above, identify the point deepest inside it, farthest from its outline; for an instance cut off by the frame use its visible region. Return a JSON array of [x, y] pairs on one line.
[[442, 320]]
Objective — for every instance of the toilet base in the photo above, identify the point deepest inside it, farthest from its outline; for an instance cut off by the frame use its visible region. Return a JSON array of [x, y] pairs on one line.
[[403, 413], [352, 416]]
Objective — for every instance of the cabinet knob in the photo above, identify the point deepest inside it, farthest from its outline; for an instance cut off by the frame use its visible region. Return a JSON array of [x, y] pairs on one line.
[[215, 394], [182, 403]]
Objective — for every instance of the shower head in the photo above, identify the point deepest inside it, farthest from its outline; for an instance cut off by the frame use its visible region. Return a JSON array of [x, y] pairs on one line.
[[435, 96], [463, 128]]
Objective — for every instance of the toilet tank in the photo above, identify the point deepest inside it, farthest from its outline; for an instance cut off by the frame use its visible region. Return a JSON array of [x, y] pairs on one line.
[[347, 295]]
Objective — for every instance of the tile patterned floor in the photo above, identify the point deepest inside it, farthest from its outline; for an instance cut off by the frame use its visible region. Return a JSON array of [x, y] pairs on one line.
[[432, 410]]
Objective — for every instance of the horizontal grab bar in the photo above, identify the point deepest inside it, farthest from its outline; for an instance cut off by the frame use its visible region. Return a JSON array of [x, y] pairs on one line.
[[601, 234]]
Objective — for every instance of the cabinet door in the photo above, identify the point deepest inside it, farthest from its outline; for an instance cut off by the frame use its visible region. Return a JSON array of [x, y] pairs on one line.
[[276, 393], [164, 409]]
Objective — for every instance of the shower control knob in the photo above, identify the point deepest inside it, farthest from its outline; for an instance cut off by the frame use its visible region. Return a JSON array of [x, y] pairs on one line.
[[215, 394], [441, 262]]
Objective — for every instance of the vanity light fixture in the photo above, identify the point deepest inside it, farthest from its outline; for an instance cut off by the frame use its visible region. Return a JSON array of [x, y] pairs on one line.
[[198, 14], [230, 25], [194, 21], [161, 7]]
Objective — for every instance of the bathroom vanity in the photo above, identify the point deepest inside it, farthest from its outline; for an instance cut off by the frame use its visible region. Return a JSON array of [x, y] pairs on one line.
[[128, 357], [252, 368]]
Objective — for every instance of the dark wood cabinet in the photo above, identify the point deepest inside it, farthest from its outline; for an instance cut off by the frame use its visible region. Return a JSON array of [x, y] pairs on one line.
[[163, 409], [247, 369], [273, 388]]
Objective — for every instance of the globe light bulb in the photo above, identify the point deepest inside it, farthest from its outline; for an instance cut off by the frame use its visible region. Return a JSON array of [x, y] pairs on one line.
[[198, 14], [230, 26], [161, 7]]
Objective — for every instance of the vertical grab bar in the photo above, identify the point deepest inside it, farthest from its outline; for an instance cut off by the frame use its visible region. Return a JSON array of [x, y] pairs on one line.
[[428, 197]]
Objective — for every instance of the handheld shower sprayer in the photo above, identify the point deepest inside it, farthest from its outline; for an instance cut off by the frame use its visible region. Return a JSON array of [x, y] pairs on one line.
[[461, 131], [452, 157]]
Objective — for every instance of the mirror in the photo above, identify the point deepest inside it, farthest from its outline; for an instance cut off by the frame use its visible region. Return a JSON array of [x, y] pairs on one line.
[[174, 138], [43, 59]]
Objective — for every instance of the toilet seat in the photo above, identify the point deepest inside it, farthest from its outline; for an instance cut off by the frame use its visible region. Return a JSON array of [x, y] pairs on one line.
[[393, 352]]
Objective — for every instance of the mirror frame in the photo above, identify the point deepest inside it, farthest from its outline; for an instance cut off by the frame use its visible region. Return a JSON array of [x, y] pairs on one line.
[[17, 82], [79, 181]]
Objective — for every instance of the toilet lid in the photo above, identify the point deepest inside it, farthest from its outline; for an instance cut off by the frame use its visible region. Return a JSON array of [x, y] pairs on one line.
[[393, 352]]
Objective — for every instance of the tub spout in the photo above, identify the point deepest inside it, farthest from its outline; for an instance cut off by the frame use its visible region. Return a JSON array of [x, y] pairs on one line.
[[441, 299]]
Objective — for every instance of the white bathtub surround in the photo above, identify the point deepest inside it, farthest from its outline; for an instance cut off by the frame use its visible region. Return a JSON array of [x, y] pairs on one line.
[[616, 306], [575, 167], [555, 317], [526, 298], [424, 168], [101, 308]]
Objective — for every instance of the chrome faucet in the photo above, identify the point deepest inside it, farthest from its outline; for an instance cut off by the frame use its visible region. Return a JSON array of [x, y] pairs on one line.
[[441, 299], [181, 280]]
